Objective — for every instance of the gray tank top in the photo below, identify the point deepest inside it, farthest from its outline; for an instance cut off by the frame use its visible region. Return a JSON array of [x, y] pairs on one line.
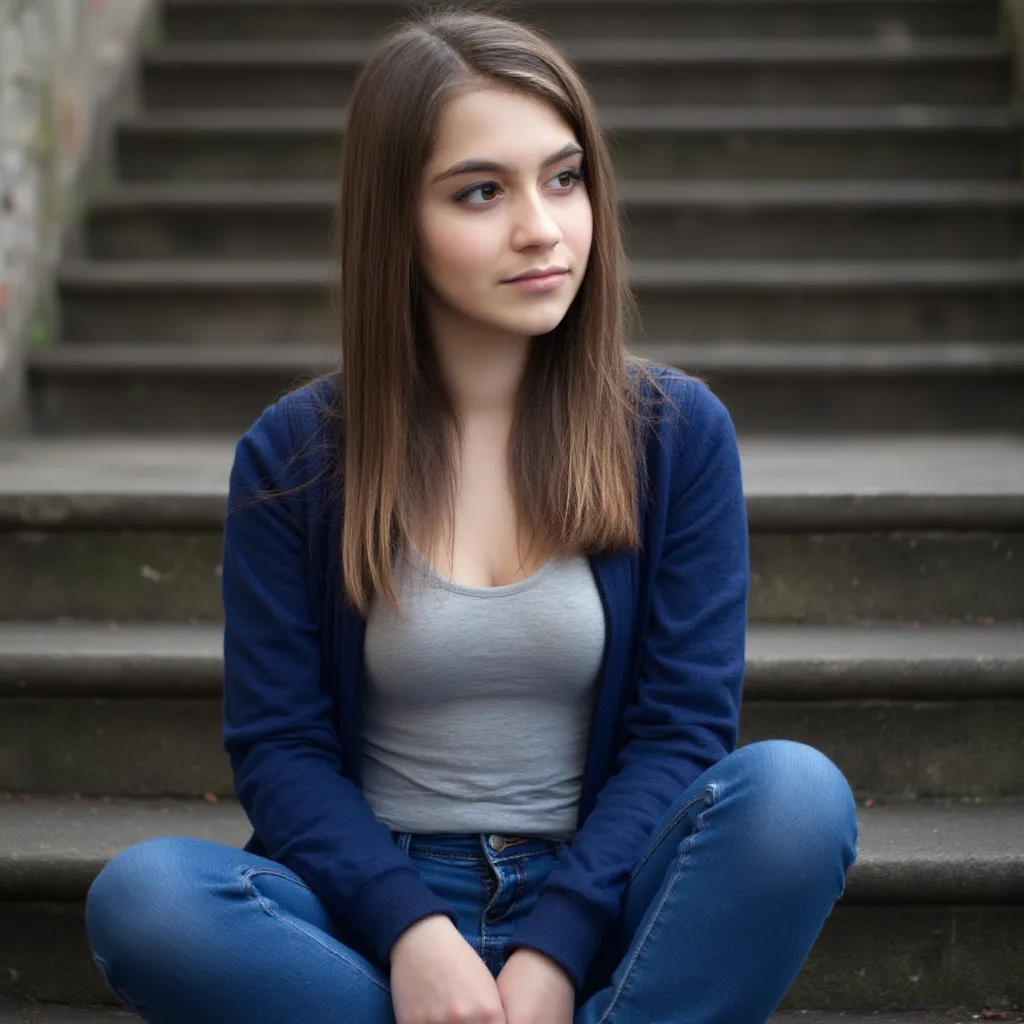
[[476, 710]]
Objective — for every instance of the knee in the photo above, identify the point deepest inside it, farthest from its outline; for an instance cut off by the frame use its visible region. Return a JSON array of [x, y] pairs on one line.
[[132, 901], [807, 812]]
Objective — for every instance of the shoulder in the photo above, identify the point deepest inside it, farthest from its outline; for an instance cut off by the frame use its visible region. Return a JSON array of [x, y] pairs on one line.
[[694, 431], [300, 413], [689, 413], [691, 405], [292, 438]]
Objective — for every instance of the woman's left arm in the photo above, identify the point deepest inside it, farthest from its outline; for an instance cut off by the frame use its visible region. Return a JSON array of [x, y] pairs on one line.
[[685, 716]]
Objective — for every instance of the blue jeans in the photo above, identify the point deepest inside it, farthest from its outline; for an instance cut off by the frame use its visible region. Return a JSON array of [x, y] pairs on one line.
[[722, 908]]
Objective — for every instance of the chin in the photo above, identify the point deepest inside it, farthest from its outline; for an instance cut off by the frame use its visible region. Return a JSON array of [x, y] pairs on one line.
[[534, 325]]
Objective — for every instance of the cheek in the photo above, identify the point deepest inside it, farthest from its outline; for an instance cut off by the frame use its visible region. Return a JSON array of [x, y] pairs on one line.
[[580, 230], [457, 248]]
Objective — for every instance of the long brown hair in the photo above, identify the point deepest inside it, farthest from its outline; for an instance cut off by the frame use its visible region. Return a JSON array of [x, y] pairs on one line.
[[578, 430]]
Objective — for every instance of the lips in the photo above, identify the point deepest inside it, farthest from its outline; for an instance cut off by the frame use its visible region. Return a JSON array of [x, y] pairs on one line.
[[543, 272]]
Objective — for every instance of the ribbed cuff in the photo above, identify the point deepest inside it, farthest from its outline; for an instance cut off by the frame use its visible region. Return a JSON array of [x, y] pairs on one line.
[[563, 929], [391, 904]]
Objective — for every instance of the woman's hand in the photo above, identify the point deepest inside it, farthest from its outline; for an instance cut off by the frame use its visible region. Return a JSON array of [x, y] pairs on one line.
[[438, 978], [535, 990]]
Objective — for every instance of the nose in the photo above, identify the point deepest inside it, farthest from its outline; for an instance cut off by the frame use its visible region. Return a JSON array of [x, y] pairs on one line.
[[534, 225]]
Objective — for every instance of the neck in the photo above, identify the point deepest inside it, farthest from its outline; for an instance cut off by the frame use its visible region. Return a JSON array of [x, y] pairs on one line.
[[482, 368]]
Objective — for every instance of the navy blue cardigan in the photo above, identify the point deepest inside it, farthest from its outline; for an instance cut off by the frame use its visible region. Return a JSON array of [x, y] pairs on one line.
[[669, 688]]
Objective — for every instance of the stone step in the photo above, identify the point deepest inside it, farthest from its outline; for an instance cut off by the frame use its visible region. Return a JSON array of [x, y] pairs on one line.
[[659, 71], [31, 1012], [694, 143], [895, 20], [251, 302], [160, 389], [844, 530], [661, 220], [931, 916], [93, 709], [23, 1012]]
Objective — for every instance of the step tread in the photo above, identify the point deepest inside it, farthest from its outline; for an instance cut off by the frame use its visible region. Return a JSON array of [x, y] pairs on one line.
[[921, 851], [896, 5], [831, 119], [916, 465], [810, 662], [52, 1013], [636, 51], [894, 274], [937, 358], [41, 659], [915, 194]]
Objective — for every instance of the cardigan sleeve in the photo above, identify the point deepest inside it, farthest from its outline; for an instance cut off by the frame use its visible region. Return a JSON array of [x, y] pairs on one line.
[[685, 713], [284, 749]]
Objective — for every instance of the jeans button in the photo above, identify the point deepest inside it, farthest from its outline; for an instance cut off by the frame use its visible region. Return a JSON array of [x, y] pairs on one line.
[[496, 843]]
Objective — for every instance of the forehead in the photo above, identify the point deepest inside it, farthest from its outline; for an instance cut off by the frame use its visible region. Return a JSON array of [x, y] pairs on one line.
[[498, 124]]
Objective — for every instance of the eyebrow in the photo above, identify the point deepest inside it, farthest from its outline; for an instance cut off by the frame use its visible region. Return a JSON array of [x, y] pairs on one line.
[[490, 166]]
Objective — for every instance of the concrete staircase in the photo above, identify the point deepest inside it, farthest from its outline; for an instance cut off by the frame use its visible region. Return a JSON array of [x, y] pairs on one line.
[[825, 218]]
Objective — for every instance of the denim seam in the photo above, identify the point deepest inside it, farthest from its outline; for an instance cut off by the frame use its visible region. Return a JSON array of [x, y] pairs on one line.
[[487, 881], [104, 969], [251, 892], [494, 877], [703, 795], [680, 859], [248, 872], [487, 872], [520, 890]]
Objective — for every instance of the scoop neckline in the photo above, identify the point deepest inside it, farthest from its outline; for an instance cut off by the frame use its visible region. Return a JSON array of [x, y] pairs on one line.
[[505, 590]]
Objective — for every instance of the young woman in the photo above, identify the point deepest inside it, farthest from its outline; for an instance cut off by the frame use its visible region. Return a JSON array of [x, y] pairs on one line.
[[485, 599]]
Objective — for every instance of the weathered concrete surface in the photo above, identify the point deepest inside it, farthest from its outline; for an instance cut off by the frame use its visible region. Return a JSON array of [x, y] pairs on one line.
[[920, 923], [53, 1013], [134, 709], [835, 302], [894, 23], [172, 660], [138, 388], [655, 71], [910, 482], [841, 531], [660, 219], [159, 746]]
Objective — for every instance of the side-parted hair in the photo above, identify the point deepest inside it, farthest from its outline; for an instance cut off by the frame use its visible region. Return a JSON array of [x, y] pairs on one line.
[[579, 426]]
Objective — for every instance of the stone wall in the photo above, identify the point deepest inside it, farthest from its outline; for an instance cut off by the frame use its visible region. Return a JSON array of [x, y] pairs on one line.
[[65, 69]]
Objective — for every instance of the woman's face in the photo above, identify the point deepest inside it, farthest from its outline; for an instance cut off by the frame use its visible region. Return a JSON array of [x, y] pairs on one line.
[[480, 226]]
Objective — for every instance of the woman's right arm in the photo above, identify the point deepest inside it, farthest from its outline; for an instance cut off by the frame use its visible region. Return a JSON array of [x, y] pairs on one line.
[[286, 755], [278, 732]]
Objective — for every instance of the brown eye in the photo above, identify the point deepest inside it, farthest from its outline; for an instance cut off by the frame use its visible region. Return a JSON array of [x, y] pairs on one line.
[[574, 178], [487, 186]]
